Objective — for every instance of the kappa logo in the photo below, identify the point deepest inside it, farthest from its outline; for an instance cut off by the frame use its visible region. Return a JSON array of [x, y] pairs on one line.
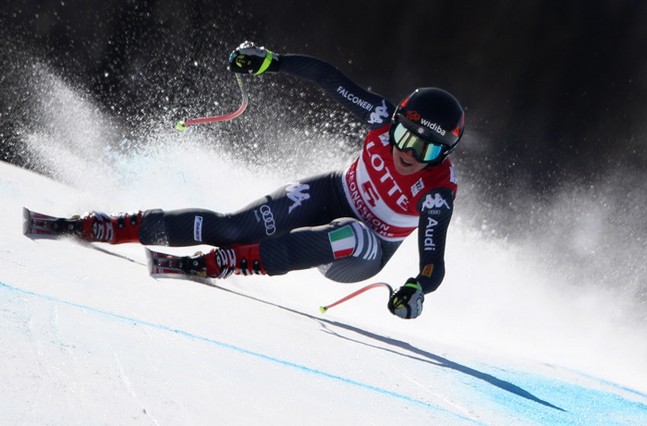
[[296, 193], [379, 113], [434, 202]]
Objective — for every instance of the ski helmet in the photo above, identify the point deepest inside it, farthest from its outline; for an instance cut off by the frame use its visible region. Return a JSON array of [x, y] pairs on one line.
[[429, 123]]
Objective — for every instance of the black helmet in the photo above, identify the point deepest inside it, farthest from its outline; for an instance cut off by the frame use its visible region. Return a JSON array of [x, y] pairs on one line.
[[429, 122]]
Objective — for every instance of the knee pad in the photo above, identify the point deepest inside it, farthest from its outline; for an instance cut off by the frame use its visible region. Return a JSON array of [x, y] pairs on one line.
[[153, 228]]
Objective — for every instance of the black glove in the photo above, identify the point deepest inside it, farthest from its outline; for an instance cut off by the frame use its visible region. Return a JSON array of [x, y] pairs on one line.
[[406, 302], [250, 59]]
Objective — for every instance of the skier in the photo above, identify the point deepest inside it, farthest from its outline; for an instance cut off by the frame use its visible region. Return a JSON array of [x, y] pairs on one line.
[[348, 223]]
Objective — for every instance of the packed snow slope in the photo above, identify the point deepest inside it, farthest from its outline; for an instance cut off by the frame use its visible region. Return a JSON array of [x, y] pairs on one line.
[[88, 337], [518, 333]]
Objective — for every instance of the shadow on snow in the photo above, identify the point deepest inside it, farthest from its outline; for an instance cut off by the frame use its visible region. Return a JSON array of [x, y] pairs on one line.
[[418, 354]]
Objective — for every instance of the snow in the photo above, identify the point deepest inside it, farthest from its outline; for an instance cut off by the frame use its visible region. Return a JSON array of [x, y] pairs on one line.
[[88, 337]]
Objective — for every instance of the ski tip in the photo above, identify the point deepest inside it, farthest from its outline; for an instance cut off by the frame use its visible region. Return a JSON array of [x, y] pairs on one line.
[[149, 260], [180, 126], [26, 220], [323, 309]]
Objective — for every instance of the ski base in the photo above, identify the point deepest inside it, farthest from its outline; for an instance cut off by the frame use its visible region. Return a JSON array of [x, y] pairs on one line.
[[39, 225]]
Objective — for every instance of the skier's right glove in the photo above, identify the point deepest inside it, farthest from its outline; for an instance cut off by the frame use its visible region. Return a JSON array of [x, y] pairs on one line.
[[250, 59], [406, 302]]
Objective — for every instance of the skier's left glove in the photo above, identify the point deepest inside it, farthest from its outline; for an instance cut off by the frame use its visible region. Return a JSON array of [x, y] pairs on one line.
[[251, 59], [406, 302]]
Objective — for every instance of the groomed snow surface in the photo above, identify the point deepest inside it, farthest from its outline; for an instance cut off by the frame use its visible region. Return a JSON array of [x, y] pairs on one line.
[[88, 337]]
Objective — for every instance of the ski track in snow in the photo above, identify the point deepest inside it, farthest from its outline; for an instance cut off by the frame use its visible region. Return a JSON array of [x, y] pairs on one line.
[[240, 350], [96, 340], [460, 414], [129, 387]]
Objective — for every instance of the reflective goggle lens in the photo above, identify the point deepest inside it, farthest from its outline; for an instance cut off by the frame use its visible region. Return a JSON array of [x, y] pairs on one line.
[[423, 150]]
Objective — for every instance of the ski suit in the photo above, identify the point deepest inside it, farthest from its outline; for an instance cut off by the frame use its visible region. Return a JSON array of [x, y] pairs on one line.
[[349, 222]]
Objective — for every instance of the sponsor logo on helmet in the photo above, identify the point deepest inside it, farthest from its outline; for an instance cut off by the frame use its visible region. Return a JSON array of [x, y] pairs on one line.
[[413, 116], [433, 126]]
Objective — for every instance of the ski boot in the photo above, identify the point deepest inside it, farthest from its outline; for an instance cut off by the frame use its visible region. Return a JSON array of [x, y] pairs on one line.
[[91, 227], [218, 263]]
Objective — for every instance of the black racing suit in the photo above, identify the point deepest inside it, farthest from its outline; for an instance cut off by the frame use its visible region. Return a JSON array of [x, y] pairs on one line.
[[313, 221]]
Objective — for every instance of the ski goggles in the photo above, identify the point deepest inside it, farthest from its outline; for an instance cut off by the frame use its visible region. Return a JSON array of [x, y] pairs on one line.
[[406, 139]]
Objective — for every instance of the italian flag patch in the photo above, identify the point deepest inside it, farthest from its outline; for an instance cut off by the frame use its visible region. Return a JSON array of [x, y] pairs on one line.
[[342, 241]]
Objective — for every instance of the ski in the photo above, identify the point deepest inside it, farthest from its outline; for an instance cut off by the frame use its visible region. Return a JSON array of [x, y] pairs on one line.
[[39, 225], [169, 265]]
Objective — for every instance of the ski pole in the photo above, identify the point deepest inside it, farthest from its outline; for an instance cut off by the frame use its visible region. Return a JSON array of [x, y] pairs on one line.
[[324, 309], [182, 125]]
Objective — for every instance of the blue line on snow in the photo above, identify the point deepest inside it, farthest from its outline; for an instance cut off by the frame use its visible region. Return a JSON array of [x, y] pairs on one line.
[[241, 350]]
